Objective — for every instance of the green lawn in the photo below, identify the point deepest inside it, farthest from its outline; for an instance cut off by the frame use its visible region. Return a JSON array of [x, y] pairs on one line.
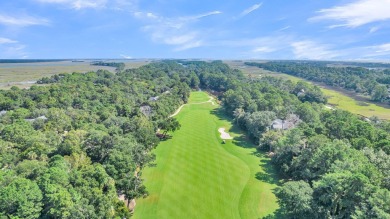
[[198, 177]]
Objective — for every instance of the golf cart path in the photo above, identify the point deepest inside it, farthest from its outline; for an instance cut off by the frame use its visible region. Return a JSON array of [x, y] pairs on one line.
[[181, 107]]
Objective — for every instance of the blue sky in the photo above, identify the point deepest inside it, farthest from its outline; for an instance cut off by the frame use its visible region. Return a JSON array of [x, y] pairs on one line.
[[228, 29]]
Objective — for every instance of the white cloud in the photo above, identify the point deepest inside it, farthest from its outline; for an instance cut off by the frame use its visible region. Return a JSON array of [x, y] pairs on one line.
[[118, 5], [181, 39], [356, 14], [264, 49], [377, 50], [12, 51], [22, 20], [383, 48], [77, 4], [266, 44], [374, 29], [284, 28], [250, 9], [189, 45], [177, 31], [6, 41], [126, 56], [204, 15], [369, 52], [312, 50]]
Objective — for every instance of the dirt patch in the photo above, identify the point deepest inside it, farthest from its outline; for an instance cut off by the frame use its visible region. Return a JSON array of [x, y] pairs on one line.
[[224, 135]]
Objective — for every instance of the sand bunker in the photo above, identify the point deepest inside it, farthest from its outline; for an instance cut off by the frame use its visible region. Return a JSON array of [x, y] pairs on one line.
[[224, 135]]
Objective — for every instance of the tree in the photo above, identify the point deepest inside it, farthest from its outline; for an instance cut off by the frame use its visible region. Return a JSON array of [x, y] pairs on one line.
[[338, 194], [306, 112], [380, 93], [20, 199], [270, 139], [295, 199], [170, 125], [259, 122], [288, 148], [134, 188]]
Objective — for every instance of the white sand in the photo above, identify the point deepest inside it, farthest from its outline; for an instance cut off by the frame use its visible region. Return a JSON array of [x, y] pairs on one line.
[[224, 135], [329, 107]]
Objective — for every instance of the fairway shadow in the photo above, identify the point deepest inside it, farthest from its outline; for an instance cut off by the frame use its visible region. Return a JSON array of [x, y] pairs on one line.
[[269, 175], [152, 165], [166, 138], [220, 114], [265, 177], [275, 215]]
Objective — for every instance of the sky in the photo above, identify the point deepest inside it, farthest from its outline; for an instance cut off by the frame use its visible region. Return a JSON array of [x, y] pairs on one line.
[[209, 29]]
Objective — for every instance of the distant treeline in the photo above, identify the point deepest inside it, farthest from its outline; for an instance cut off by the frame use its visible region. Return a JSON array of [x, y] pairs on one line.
[[375, 83], [362, 64], [30, 60], [120, 66]]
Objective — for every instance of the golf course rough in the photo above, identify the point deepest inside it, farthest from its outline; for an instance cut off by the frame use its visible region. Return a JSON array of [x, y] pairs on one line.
[[196, 176]]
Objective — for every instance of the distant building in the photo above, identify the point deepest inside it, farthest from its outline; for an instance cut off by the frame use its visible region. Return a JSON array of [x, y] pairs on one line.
[[290, 122], [146, 110], [33, 120], [154, 98], [301, 93]]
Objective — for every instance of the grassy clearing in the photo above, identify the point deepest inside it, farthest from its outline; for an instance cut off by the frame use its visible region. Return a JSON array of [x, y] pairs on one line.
[[196, 176], [337, 98], [255, 72], [363, 108]]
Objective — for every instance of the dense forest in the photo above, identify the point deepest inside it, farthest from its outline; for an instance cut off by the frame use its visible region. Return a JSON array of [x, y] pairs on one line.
[[69, 148], [361, 79]]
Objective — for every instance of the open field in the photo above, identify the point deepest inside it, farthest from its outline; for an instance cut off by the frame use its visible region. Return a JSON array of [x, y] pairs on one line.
[[345, 102], [336, 97], [196, 176], [255, 72], [23, 75]]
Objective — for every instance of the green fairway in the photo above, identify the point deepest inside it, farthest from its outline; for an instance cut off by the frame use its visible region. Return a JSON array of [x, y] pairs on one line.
[[196, 176]]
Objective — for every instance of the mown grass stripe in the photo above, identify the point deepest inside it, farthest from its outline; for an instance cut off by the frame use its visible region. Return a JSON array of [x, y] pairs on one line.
[[198, 177]]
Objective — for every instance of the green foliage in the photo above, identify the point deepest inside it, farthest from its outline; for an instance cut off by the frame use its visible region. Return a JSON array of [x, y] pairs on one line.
[[337, 161], [20, 198], [360, 79], [67, 149], [295, 198], [78, 142]]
